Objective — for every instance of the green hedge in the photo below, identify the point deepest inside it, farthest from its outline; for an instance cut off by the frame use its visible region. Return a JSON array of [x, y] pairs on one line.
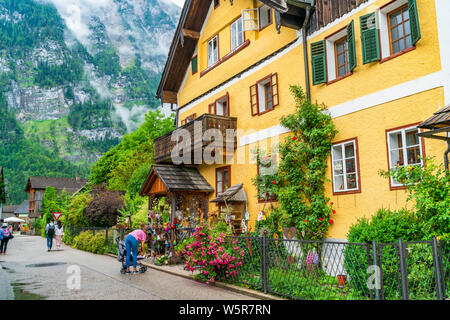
[[387, 227], [88, 242]]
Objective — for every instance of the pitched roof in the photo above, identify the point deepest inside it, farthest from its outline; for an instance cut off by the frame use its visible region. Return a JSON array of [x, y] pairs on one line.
[[440, 119], [23, 208], [176, 178], [234, 193], [192, 18], [10, 208], [194, 14], [71, 185]]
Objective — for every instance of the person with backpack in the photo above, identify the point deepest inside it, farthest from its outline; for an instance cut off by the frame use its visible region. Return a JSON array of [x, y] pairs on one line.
[[50, 231], [59, 232], [5, 236]]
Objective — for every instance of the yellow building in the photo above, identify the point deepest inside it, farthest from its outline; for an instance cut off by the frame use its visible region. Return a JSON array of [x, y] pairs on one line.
[[380, 66]]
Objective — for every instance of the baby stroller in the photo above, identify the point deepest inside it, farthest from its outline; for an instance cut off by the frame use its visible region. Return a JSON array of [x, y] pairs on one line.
[[122, 256]]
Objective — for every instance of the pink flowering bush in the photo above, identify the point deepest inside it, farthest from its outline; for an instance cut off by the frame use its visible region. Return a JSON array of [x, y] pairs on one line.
[[209, 251]]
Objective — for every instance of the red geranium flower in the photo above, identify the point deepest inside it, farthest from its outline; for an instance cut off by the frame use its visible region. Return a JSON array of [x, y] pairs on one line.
[[331, 221], [274, 182], [331, 203], [334, 211], [294, 138], [305, 221], [320, 219]]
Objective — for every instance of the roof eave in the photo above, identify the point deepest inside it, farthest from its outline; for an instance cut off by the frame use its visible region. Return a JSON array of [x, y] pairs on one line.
[[173, 47]]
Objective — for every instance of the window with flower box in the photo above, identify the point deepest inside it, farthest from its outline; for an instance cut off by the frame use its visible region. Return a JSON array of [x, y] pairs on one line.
[[345, 167], [404, 149]]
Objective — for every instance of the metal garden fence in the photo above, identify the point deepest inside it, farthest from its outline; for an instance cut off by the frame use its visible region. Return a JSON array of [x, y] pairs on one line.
[[330, 270], [327, 270]]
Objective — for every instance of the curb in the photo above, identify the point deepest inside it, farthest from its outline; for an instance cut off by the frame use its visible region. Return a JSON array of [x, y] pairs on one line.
[[231, 287]]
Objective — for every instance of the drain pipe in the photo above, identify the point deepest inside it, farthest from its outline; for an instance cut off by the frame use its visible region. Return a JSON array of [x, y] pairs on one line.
[[305, 51], [446, 156]]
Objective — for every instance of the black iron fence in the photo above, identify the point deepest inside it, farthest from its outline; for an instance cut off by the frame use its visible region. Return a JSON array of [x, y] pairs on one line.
[[328, 270], [325, 270]]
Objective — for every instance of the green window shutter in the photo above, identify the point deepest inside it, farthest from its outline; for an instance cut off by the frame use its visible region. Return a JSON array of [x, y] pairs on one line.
[[351, 46], [318, 62], [194, 64], [370, 38], [414, 21]]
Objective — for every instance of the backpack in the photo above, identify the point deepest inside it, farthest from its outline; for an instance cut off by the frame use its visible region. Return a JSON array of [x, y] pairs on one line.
[[6, 232], [51, 230]]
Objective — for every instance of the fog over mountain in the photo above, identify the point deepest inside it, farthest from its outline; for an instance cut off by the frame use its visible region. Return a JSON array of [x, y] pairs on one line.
[[76, 75]]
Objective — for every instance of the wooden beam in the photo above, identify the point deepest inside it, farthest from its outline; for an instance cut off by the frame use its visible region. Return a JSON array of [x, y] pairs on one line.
[[191, 34], [170, 97]]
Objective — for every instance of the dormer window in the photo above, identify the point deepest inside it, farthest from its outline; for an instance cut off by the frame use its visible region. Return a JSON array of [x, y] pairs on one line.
[[237, 34], [213, 51]]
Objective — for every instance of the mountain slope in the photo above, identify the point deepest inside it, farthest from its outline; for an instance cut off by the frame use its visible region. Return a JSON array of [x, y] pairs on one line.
[[79, 74]]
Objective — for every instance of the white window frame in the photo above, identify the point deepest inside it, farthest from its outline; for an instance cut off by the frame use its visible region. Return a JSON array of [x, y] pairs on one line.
[[213, 56], [238, 35], [384, 26], [344, 168], [404, 151], [250, 19], [270, 18], [262, 101], [331, 54], [220, 105]]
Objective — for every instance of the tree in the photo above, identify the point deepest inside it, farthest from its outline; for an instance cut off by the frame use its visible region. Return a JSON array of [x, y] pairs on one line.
[[117, 165], [104, 208]]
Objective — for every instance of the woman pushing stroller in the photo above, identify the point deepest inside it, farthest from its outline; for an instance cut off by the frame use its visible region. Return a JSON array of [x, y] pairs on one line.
[[131, 243]]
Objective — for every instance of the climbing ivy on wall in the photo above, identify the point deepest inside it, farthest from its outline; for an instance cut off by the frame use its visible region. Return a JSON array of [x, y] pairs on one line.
[[301, 175]]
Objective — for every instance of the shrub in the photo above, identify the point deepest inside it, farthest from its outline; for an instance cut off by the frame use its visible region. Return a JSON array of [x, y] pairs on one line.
[[211, 253], [88, 242], [429, 187], [386, 227]]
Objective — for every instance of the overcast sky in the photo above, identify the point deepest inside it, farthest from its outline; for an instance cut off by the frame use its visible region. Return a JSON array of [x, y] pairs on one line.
[[178, 2]]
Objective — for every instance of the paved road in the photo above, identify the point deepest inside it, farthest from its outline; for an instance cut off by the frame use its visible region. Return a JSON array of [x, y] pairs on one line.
[[100, 277]]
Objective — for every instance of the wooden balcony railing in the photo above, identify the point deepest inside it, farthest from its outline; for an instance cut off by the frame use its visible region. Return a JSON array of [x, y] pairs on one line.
[[164, 144]]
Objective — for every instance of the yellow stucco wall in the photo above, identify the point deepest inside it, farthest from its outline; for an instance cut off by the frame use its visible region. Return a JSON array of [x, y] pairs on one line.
[[368, 125], [262, 43]]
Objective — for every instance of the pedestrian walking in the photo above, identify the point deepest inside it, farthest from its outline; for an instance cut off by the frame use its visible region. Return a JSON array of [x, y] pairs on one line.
[[131, 243], [50, 231], [5, 236], [59, 233]]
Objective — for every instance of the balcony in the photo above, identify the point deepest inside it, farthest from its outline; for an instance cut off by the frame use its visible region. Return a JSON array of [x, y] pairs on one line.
[[198, 140]]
